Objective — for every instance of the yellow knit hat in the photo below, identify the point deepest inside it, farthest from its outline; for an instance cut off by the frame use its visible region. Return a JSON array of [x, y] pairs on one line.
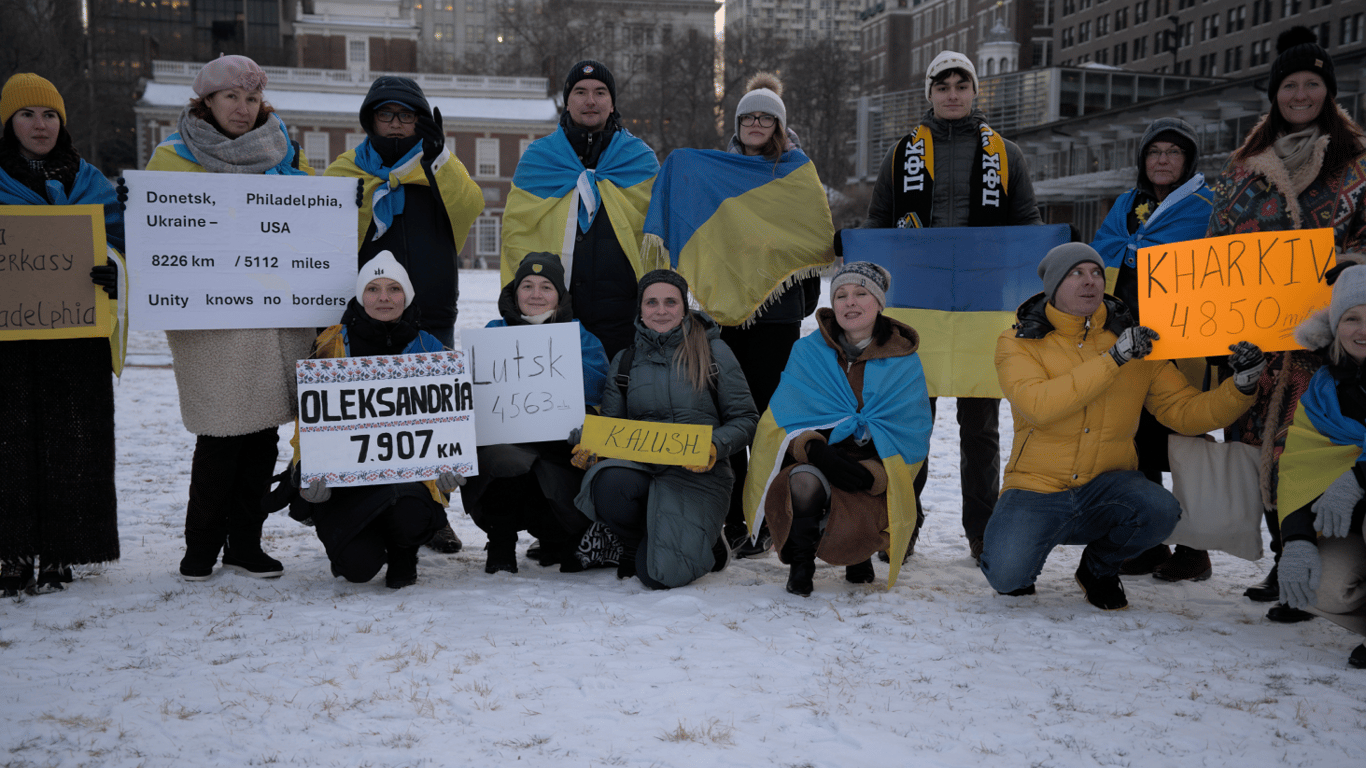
[[29, 90]]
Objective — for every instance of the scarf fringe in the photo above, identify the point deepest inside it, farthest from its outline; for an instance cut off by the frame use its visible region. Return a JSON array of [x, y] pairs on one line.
[[815, 270], [653, 253]]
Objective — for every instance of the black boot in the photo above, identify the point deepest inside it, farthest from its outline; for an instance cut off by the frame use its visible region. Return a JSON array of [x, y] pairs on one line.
[[1358, 658], [862, 573], [502, 549], [626, 566], [243, 553], [800, 553], [201, 555], [446, 542], [16, 577], [402, 570], [1267, 590]]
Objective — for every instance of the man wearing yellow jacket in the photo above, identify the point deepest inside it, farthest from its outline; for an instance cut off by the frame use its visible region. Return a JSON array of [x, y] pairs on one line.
[[1072, 368]]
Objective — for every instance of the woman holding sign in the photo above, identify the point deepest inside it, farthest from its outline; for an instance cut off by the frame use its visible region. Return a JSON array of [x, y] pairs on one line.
[[56, 395], [1301, 167], [843, 436], [364, 527], [1323, 553], [236, 386], [531, 486], [678, 371]]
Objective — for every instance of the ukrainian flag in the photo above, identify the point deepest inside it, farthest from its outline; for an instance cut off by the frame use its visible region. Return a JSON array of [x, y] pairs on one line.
[[741, 230], [959, 288]]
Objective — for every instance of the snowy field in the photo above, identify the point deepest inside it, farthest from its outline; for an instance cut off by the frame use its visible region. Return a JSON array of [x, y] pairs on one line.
[[130, 666]]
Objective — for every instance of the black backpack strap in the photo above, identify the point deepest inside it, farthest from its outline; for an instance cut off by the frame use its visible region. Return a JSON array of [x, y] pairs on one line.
[[623, 378]]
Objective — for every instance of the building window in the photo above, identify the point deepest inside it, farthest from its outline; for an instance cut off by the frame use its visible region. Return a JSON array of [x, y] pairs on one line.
[[1290, 8], [1140, 11], [318, 147], [1103, 26], [1233, 59], [486, 158], [1121, 19], [353, 140], [1236, 18], [522, 147], [358, 52], [1084, 32], [487, 236], [1140, 48], [1067, 38], [1350, 29]]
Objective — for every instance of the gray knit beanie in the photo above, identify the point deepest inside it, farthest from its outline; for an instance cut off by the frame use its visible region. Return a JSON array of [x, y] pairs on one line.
[[660, 276], [866, 274], [1349, 291], [1059, 261]]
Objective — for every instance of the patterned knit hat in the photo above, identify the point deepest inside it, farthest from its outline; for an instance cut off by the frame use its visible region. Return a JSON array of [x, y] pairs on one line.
[[866, 274], [29, 90], [384, 265], [229, 72]]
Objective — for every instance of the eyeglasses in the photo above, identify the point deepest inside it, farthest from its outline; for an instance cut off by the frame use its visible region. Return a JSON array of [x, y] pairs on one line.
[[1175, 153], [406, 118], [764, 121]]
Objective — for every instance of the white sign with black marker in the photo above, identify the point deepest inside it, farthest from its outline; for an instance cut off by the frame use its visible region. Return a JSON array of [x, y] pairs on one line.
[[528, 381], [220, 250], [385, 419]]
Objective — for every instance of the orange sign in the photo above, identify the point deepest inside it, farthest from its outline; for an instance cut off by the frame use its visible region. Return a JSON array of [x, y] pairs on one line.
[[1203, 295]]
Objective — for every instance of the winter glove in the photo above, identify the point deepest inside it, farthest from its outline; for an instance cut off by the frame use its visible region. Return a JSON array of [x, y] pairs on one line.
[[1247, 362], [317, 491], [576, 435], [447, 482], [121, 192], [106, 277], [433, 138], [842, 472], [1299, 571], [1133, 344], [1333, 510], [583, 458], [699, 468], [360, 193]]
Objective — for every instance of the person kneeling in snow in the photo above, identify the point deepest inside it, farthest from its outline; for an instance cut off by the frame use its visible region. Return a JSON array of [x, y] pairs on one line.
[[364, 527], [1072, 368]]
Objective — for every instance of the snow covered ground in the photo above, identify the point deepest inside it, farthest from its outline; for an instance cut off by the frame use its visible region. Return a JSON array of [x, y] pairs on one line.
[[132, 667]]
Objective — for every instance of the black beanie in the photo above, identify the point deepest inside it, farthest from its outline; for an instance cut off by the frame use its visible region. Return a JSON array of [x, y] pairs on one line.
[[591, 70], [660, 276], [542, 264], [1298, 50]]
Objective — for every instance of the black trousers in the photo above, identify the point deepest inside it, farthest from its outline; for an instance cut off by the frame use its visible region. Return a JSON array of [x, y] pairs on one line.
[[763, 350], [229, 478], [406, 525], [979, 461], [620, 498]]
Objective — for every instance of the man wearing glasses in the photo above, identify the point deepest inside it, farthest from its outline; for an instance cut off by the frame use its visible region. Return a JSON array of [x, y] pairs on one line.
[[1169, 204], [967, 185], [416, 201]]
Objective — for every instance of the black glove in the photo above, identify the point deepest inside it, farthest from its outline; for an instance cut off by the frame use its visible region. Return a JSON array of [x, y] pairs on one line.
[[433, 138], [842, 472], [360, 193], [107, 277], [1247, 362], [839, 243], [1133, 344], [121, 192]]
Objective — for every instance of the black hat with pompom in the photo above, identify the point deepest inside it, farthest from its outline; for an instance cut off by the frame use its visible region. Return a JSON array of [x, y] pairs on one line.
[[1298, 50]]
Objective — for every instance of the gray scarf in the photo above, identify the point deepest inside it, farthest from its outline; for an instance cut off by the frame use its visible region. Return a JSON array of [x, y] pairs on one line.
[[255, 151]]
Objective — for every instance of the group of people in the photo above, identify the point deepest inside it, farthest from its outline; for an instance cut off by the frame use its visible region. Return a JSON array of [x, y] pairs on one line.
[[819, 445]]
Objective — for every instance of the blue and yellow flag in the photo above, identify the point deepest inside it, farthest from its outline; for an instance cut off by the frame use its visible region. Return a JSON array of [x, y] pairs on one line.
[[958, 287], [553, 196], [741, 230], [1321, 444]]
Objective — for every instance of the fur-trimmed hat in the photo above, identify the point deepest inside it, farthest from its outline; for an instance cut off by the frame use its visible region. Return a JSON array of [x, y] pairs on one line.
[[26, 89], [229, 72], [866, 274], [589, 69], [1298, 50], [947, 60], [384, 265], [1060, 260], [763, 93]]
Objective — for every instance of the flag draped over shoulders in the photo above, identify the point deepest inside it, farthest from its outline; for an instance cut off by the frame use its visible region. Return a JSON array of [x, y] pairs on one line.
[[1321, 444], [553, 195], [382, 197], [740, 229], [959, 288], [814, 394], [1183, 215]]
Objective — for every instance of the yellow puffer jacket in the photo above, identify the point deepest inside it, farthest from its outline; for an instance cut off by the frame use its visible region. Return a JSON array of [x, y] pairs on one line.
[[1076, 411]]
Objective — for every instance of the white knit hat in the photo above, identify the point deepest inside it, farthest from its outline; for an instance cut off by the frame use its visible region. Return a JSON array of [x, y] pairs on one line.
[[1348, 291], [950, 60], [384, 265]]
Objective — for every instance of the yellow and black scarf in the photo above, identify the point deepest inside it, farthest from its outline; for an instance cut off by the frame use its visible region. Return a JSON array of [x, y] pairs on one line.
[[913, 186]]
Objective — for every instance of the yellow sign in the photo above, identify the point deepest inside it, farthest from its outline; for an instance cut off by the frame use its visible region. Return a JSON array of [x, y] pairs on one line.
[[1203, 295], [46, 253], [652, 442]]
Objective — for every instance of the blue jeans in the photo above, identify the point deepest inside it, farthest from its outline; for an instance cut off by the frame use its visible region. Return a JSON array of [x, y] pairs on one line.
[[1117, 515]]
